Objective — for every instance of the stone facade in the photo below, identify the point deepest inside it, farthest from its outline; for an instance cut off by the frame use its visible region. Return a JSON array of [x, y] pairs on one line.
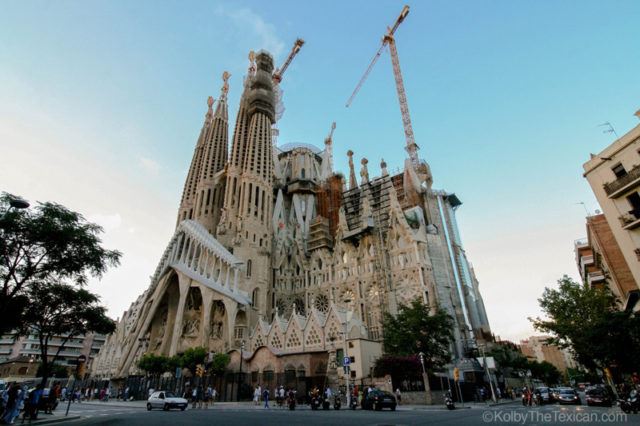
[[273, 249]]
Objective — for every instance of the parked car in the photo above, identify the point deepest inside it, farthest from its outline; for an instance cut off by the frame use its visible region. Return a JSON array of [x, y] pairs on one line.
[[378, 399], [569, 396], [166, 401], [598, 395]]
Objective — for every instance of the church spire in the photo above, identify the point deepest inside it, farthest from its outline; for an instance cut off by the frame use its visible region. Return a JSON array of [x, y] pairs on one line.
[[353, 183], [202, 196]]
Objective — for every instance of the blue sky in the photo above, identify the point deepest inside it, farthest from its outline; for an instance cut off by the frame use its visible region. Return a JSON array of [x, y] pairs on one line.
[[101, 103]]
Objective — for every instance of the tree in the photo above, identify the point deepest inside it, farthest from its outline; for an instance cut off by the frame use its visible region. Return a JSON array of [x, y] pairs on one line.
[[219, 363], [155, 365], [415, 329], [44, 244], [192, 357], [398, 366], [62, 311], [587, 320], [57, 371]]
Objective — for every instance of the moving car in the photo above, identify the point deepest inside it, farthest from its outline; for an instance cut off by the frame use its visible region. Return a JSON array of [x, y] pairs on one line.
[[598, 395], [545, 394], [166, 400], [378, 399], [569, 396]]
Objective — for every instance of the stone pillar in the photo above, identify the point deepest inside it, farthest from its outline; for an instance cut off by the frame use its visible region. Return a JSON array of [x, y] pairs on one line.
[[235, 280], [231, 309], [226, 280], [177, 327], [205, 329]]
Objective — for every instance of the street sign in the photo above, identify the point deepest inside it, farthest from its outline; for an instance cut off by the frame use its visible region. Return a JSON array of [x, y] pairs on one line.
[[346, 361]]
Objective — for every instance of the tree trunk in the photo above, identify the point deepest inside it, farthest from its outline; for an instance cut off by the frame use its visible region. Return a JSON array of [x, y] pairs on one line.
[[427, 388]]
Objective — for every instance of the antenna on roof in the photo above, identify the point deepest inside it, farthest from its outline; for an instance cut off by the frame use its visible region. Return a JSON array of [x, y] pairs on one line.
[[609, 128]]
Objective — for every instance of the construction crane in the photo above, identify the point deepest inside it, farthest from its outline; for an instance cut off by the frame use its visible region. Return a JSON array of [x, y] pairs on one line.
[[333, 128], [389, 40], [277, 75]]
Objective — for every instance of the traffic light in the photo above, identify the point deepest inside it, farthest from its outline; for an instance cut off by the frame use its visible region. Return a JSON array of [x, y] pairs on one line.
[[199, 370], [456, 374]]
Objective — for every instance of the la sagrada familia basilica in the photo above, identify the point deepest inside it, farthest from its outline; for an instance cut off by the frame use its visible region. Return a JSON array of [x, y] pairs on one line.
[[277, 253]]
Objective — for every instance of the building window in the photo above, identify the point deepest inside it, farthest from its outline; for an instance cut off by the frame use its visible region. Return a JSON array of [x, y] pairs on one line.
[[634, 202], [618, 170], [302, 173], [249, 268]]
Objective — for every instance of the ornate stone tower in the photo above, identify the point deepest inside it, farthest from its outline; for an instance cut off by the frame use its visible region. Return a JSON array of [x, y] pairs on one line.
[[203, 192], [248, 205]]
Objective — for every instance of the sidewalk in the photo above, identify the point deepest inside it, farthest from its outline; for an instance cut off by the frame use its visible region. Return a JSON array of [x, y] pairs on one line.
[[249, 405], [48, 420]]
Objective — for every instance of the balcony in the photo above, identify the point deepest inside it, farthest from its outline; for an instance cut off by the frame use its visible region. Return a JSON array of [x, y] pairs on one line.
[[630, 220], [595, 277], [586, 261], [624, 183]]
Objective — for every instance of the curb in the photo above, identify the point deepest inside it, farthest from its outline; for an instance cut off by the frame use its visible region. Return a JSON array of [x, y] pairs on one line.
[[53, 420]]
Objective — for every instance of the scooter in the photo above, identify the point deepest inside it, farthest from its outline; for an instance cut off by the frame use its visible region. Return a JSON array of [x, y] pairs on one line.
[[354, 402], [630, 404], [448, 401], [337, 403]]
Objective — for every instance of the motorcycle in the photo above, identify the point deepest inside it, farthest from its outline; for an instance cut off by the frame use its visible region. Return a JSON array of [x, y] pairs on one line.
[[326, 404], [291, 401], [630, 404], [315, 402], [448, 401], [337, 403], [354, 402]]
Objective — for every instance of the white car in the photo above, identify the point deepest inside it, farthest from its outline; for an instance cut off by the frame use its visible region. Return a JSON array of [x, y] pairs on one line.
[[166, 400]]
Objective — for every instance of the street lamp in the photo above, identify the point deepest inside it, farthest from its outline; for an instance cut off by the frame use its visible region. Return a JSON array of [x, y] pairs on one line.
[[486, 371], [18, 203], [347, 369], [425, 379], [240, 374]]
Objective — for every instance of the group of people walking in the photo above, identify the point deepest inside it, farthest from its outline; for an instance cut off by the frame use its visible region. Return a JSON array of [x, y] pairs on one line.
[[18, 398], [200, 396]]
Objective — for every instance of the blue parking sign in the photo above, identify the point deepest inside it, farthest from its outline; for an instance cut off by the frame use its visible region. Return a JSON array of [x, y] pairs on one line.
[[346, 361]]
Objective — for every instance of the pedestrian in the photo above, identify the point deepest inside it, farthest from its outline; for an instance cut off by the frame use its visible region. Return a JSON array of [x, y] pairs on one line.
[[207, 397], [265, 396], [126, 393], [194, 398], [398, 396], [214, 395], [11, 402], [256, 395]]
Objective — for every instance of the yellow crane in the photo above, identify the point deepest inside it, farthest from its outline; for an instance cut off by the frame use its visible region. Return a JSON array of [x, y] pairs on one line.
[[389, 40]]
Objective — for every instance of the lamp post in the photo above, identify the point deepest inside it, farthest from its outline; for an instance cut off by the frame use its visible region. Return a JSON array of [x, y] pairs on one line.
[[486, 371], [240, 374], [347, 368], [425, 380]]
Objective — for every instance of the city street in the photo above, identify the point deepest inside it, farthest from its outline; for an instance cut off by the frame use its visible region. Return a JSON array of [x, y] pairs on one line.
[[233, 414]]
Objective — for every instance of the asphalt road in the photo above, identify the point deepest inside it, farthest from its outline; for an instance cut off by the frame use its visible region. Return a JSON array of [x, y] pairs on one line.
[[504, 414]]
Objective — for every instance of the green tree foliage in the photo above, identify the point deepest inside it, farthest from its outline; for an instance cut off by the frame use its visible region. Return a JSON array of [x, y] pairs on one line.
[[62, 312], [155, 365], [219, 363], [398, 366], [43, 244], [192, 357], [56, 371], [416, 329], [587, 320]]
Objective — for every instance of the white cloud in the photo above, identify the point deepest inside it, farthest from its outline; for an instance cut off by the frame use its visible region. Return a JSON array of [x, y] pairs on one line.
[[252, 24], [150, 166]]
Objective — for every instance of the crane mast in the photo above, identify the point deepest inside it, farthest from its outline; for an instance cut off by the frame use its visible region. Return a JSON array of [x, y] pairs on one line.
[[388, 39], [277, 75]]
